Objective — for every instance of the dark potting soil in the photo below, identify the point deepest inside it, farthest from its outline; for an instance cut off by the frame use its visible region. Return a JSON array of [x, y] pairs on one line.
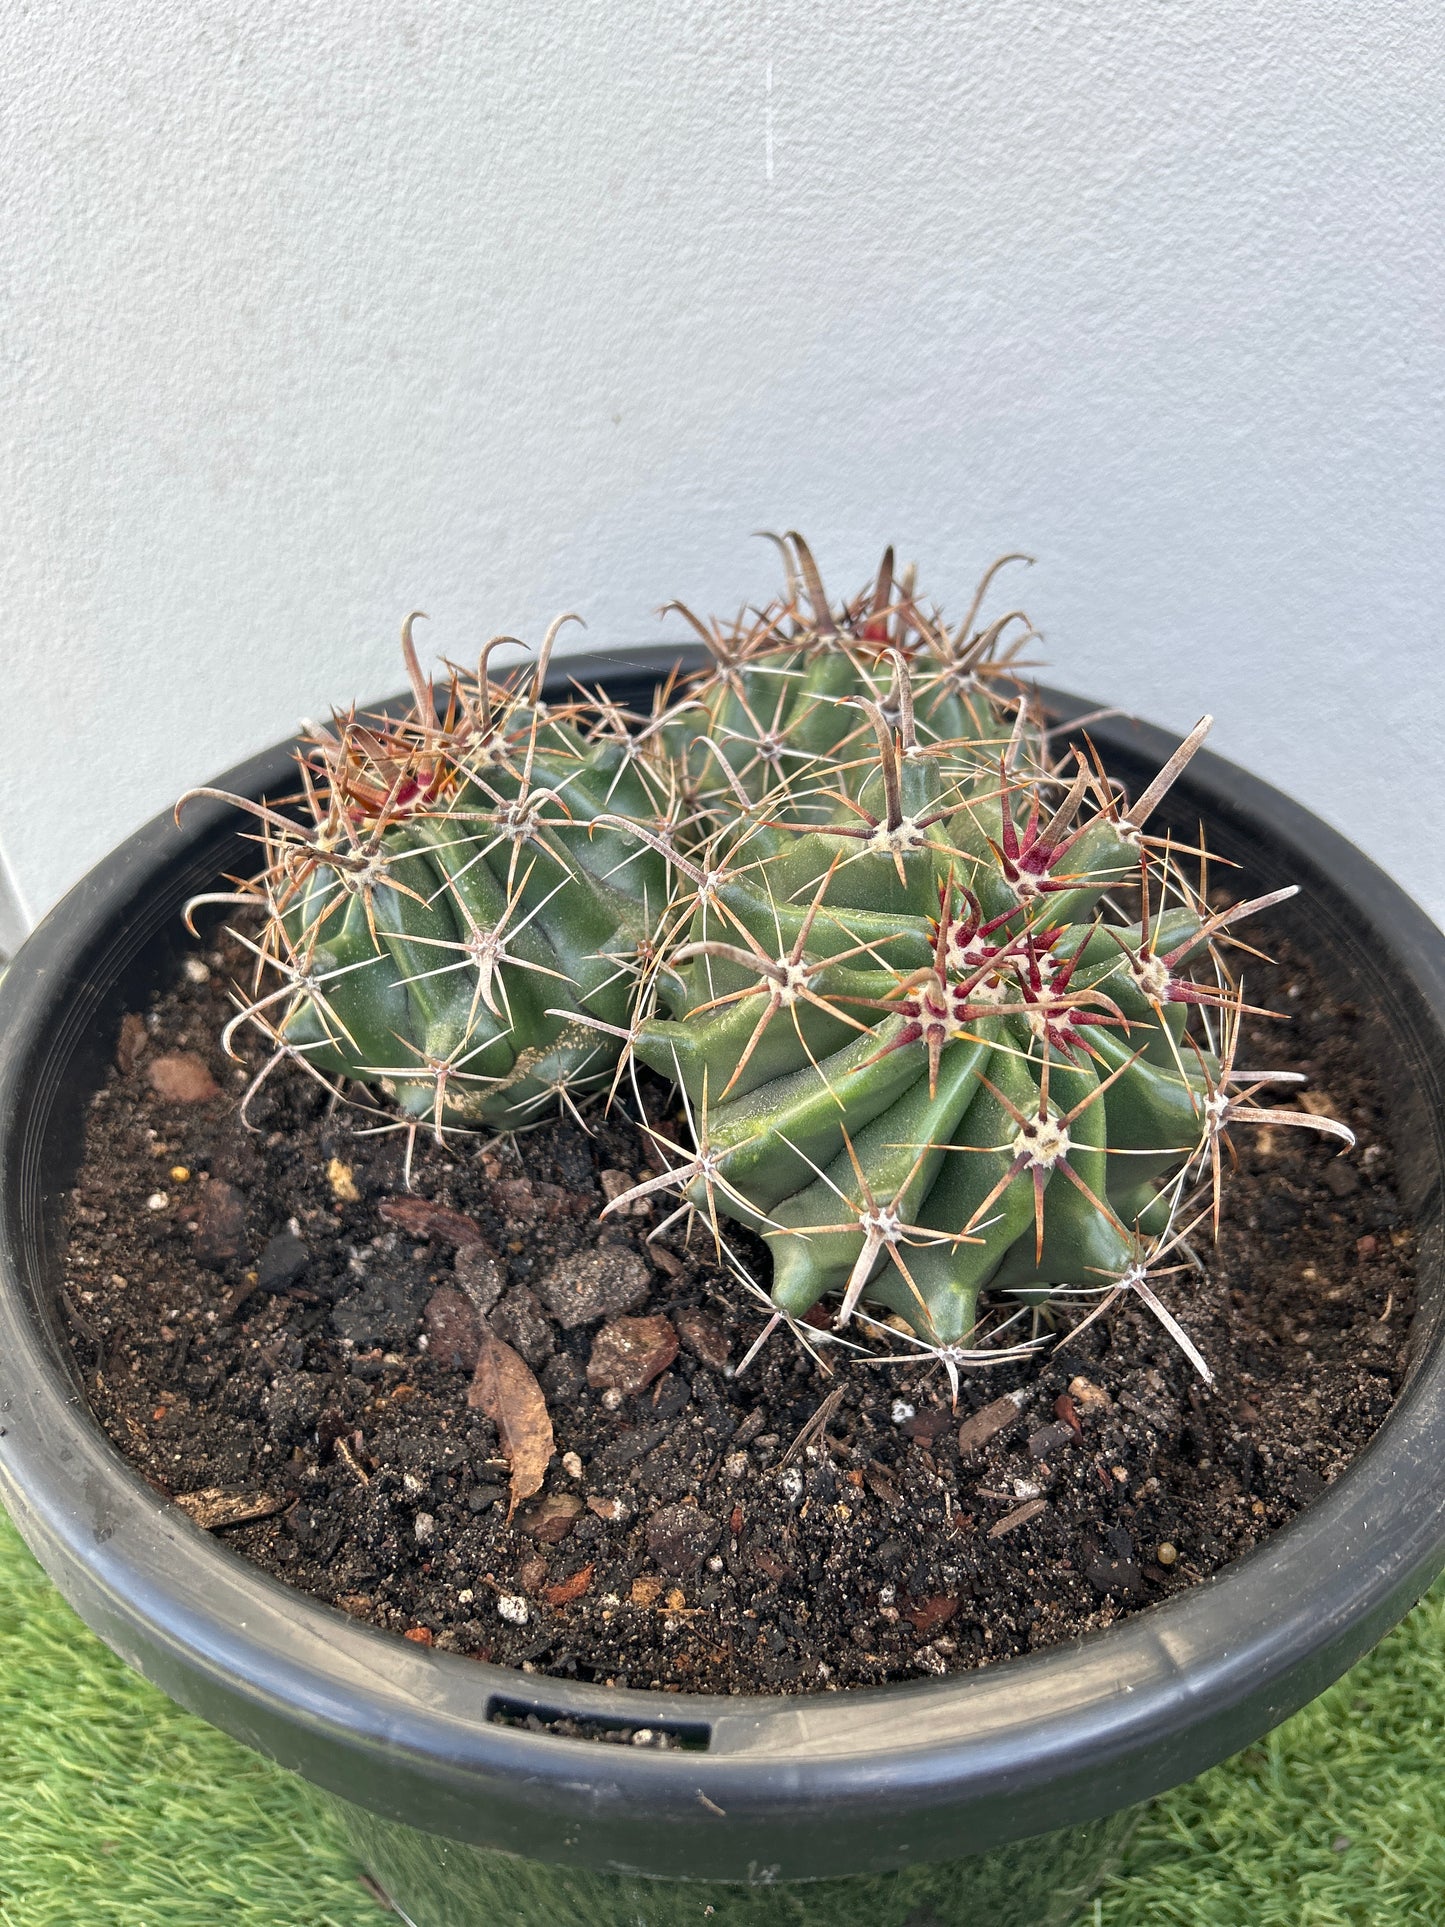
[[280, 1337]]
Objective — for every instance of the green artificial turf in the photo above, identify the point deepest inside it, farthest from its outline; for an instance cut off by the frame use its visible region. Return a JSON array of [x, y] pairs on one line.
[[118, 1810]]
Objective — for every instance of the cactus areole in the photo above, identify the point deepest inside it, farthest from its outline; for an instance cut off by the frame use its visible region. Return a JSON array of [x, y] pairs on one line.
[[952, 1030]]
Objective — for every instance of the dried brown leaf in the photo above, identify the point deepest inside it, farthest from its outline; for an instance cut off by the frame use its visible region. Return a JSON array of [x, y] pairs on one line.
[[505, 1388], [976, 1432]]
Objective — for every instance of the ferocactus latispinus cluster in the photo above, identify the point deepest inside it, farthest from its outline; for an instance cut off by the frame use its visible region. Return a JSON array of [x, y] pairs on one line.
[[952, 1026]]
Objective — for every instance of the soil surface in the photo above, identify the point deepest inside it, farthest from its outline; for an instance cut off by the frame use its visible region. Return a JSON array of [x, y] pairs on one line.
[[281, 1337]]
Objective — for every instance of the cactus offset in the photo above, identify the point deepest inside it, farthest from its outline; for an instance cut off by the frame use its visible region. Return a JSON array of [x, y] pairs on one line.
[[454, 921]]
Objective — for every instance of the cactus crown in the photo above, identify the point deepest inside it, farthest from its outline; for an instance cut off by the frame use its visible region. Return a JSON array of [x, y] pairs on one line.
[[955, 1032], [795, 693]]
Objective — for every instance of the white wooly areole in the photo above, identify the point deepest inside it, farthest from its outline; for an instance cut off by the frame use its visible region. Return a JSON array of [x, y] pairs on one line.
[[318, 314]]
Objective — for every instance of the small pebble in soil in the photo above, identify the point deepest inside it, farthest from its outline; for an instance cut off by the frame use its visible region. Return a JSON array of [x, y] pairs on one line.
[[629, 1353], [342, 1180], [480, 1275], [518, 1320], [703, 1335], [453, 1329], [1090, 1400], [282, 1263], [679, 1538], [181, 1077], [595, 1284]]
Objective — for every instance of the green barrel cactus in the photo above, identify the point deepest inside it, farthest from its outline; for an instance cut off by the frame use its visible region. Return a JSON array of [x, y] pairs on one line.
[[454, 917], [927, 1052]]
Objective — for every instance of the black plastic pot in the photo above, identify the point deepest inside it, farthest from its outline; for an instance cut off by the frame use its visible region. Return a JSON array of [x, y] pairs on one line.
[[766, 1790]]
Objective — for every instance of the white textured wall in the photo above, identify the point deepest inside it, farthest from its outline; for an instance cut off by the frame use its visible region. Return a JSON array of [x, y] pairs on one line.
[[316, 313]]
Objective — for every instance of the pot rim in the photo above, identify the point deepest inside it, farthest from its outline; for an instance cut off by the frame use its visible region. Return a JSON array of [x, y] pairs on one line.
[[869, 1776]]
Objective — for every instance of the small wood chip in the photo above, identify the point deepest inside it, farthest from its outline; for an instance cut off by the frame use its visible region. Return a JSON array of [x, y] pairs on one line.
[[566, 1590], [132, 1042], [213, 1507], [881, 1484], [424, 1218], [1020, 1517], [929, 1614], [345, 1453], [1064, 1408], [976, 1432]]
